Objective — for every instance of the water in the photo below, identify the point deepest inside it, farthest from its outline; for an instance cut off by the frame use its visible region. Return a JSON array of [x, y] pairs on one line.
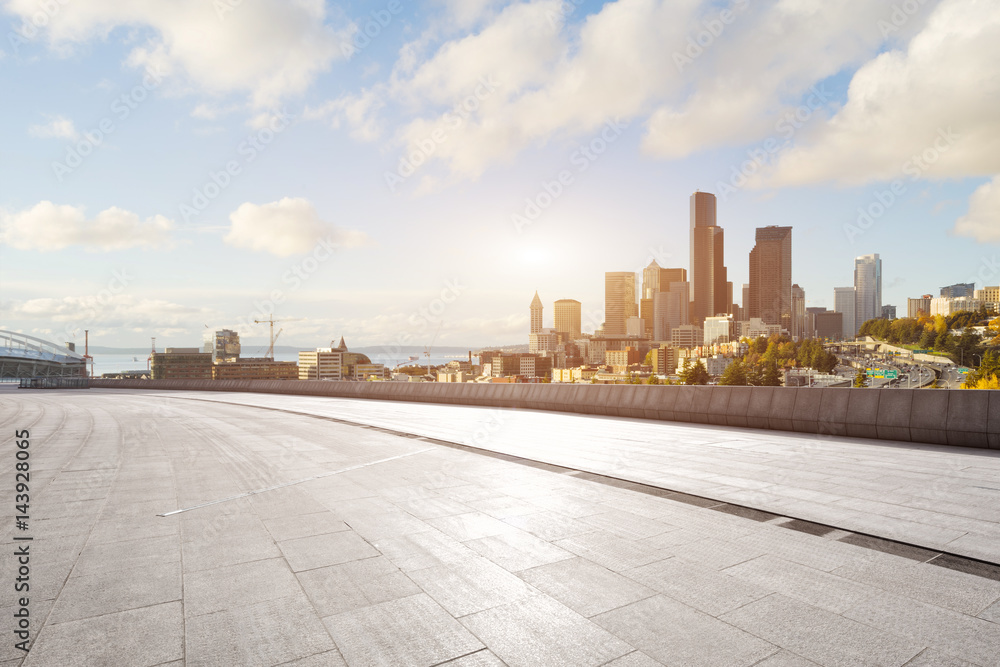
[[114, 363]]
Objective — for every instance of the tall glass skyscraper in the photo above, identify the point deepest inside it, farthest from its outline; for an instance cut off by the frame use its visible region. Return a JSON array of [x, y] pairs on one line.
[[868, 288]]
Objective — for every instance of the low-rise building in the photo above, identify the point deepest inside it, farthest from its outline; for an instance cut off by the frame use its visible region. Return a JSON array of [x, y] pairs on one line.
[[181, 363], [255, 369]]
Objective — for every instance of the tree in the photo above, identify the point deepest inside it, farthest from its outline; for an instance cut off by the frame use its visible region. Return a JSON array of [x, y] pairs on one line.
[[755, 375], [735, 374], [926, 341], [652, 379], [860, 378], [772, 376], [696, 374]]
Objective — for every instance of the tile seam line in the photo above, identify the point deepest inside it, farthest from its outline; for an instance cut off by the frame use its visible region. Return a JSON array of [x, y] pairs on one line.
[[294, 482], [523, 460]]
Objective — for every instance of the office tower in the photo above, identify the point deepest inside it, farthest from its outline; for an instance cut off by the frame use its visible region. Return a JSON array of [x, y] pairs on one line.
[[868, 288], [719, 329], [670, 310], [917, 307], [646, 313], [654, 280], [650, 280], [958, 290], [635, 326], [619, 301], [799, 329], [536, 315], [708, 270], [567, 317], [771, 276], [845, 302]]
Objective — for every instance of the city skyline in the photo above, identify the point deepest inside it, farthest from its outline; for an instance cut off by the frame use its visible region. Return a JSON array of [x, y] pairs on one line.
[[385, 175]]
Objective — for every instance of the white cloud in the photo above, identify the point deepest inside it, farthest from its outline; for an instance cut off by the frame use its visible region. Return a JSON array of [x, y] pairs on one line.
[[982, 222], [286, 227], [932, 110], [47, 226], [104, 311], [560, 77], [58, 127], [268, 48]]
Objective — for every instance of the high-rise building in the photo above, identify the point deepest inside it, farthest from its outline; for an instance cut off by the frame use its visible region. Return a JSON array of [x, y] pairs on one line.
[[567, 317], [670, 310], [868, 288], [536, 314], [650, 280], [888, 312], [916, 307], [771, 276], [656, 279], [719, 329], [224, 346], [619, 301], [988, 294], [646, 313], [845, 302], [708, 269], [799, 328], [958, 290]]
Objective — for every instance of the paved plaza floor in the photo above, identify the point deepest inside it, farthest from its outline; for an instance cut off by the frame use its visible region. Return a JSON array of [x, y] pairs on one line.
[[198, 528]]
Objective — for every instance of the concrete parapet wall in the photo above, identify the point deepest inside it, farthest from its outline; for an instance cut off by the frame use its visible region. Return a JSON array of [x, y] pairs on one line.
[[962, 418]]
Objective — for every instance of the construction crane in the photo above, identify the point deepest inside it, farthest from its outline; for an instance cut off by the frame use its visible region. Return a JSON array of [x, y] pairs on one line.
[[270, 350], [270, 320]]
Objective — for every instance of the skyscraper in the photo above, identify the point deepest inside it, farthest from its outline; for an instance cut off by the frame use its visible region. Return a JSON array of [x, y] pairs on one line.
[[619, 301], [536, 315], [771, 276], [708, 269], [868, 288], [799, 329], [670, 309], [567, 317], [656, 279], [845, 302]]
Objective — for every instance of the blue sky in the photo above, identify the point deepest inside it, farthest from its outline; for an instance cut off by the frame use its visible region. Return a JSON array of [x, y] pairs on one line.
[[241, 153]]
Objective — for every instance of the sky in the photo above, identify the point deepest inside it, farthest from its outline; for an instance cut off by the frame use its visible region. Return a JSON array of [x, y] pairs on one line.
[[403, 173]]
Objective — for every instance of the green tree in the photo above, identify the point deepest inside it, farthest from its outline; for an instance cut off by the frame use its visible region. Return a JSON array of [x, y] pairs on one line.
[[860, 378], [755, 375], [697, 374], [772, 376], [652, 379], [735, 374]]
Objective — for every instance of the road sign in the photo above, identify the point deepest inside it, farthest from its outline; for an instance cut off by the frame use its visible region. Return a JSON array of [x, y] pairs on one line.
[[883, 374], [963, 370]]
